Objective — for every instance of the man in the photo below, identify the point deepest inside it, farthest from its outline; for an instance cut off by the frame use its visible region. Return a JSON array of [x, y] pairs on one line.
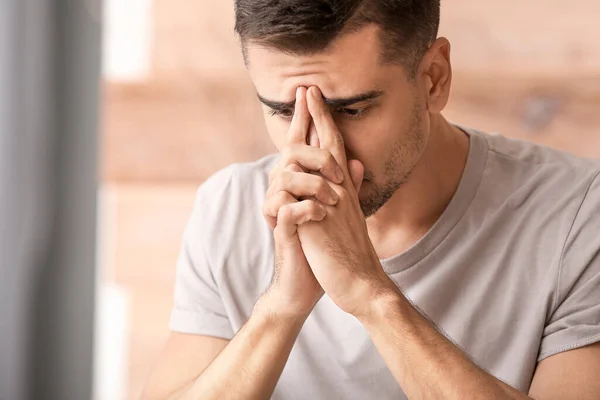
[[455, 264]]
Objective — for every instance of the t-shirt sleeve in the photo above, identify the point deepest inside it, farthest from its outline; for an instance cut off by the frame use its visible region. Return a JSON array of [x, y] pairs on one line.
[[198, 306], [575, 321]]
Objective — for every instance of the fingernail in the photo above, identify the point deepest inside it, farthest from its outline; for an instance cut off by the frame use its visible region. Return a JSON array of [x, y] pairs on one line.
[[323, 212], [339, 174], [334, 197], [298, 93]]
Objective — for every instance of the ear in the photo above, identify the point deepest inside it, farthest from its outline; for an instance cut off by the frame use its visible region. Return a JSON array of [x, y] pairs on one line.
[[436, 69]]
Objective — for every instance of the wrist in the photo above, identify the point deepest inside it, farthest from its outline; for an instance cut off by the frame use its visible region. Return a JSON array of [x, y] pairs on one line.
[[383, 301], [270, 307]]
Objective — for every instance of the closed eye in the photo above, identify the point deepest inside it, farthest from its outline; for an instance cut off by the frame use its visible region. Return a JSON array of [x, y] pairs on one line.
[[352, 113], [285, 113]]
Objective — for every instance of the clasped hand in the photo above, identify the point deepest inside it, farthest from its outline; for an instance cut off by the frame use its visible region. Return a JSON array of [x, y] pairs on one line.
[[313, 206]]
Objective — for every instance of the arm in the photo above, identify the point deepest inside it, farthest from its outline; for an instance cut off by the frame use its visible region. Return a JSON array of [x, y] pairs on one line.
[[183, 359], [248, 367], [425, 363], [343, 260], [574, 374], [251, 364]]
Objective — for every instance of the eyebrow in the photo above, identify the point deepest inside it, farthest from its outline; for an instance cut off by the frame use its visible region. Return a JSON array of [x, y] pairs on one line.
[[334, 103]]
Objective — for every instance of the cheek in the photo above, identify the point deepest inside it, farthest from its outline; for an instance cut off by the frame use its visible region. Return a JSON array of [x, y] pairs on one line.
[[368, 139], [278, 130], [372, 139]]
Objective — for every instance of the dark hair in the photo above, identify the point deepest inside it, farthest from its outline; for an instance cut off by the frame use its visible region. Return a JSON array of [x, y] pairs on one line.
[[309, 26]]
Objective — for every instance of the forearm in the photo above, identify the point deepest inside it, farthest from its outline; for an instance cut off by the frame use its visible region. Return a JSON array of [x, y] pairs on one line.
[[424, 362], [251, 364]]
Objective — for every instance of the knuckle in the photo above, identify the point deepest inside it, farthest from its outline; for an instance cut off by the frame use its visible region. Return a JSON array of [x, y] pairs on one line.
[[270, 207], [293, 168], [265, 209], [285, 179], [329, 160], [286, 197], [281, 180], [322, 187], [285, 156], [306, 210], [273, 174], [283, 199], [285, 214], [343, 195], [315, 209], [274, 187], [290, 153]]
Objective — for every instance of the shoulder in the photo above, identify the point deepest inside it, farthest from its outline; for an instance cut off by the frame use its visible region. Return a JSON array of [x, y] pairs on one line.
[[539, 175], [237, 181], [556, 193], [526, 153], [233, 194], [229, 227], [228, 209], [231, 199], [541, 195]]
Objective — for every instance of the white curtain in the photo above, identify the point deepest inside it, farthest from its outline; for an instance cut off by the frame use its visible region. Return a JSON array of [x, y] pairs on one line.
[[49, 86]]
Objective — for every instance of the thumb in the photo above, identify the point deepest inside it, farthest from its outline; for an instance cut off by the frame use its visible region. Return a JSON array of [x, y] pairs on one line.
[[356, 171]]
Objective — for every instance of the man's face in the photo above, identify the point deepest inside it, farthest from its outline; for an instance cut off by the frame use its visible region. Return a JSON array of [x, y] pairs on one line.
[[386, 129]]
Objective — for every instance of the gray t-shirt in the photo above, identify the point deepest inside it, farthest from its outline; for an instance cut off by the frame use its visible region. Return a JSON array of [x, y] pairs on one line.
[[510, 272]]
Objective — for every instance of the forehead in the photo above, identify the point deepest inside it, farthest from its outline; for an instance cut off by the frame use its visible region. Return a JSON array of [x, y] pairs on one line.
[[349, 66]]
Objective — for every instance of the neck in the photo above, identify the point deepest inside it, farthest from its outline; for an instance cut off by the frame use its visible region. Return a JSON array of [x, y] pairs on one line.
[[417, 205]]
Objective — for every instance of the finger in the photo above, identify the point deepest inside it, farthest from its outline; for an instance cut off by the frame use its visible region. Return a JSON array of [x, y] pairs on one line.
[[292, 215], [297, 168], [314, 159], [292, 167], [301, 184], [273, 204], [275, 171], [329, 135], [313, 138], [301, 119], [357, 172]]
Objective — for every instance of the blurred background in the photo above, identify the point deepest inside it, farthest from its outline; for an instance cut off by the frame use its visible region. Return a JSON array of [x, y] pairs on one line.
[[175, 104], [178, 105]]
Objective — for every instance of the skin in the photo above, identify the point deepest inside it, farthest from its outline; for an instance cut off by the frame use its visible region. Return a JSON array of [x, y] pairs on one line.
[[399, 164], [408, 158], [412, 156]]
